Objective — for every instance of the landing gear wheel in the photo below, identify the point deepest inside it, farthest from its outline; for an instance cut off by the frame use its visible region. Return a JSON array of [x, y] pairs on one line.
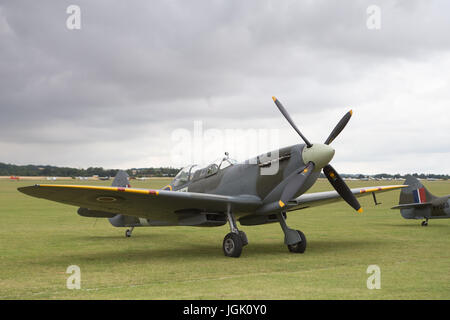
[[298, 247], [232, 245], [424, 223], [128, 233]]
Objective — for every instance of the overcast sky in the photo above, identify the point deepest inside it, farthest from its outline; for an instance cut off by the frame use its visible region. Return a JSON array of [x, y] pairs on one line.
[[117, 92]]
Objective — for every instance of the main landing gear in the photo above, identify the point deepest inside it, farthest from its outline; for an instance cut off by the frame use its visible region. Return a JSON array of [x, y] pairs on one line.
[[128, 232], [294, 239], [235, 240], [424, 223]]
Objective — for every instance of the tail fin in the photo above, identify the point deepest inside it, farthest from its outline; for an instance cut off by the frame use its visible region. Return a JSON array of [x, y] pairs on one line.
[[415, 193], [415, 200], [121, 180]]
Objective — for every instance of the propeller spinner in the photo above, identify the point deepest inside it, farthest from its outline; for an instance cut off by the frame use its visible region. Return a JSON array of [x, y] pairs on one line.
[[318, 156]]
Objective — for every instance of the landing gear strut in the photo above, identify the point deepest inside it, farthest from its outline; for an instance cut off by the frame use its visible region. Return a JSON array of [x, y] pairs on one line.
[[294, 239], [128, 232], [235, 240], [424, 223]]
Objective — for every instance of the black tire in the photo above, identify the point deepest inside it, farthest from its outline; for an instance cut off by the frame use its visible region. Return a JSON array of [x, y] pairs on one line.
[[424, 223], [299, 247], [232, 245], [127, 233]]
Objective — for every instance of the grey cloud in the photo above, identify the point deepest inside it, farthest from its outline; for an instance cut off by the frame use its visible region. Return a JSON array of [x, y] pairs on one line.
[[140, 69]]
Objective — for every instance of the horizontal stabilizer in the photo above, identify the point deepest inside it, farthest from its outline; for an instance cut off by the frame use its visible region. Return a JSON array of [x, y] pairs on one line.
[[412, 205]]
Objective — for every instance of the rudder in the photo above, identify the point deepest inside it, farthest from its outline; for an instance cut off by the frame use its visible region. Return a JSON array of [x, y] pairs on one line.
[[415, 192]]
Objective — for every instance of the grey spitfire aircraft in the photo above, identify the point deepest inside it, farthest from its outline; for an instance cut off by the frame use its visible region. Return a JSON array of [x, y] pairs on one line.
[[222, 192], [416, 202]]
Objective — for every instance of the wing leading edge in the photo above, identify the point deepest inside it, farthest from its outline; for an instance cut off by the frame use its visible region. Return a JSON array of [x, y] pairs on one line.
[[321, 198]]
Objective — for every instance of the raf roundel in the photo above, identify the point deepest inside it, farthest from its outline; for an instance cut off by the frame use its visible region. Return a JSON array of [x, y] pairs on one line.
[[106, 199]]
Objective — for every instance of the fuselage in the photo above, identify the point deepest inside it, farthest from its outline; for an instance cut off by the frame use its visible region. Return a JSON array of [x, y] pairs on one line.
[[439, 209], [262, 176]]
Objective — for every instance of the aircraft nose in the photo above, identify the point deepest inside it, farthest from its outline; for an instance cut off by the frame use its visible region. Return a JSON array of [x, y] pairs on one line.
[[319, 154]]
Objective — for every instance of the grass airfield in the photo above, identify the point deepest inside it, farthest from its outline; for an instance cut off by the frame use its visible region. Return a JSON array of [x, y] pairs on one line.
[[39, 239]]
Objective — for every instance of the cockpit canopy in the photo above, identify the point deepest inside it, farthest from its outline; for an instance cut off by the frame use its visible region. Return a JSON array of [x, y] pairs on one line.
[[196, 172]]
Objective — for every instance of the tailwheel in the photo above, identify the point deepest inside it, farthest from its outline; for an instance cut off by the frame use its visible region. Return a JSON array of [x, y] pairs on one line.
[[424, 223], [298, 247], [232, 245], [128, 232]]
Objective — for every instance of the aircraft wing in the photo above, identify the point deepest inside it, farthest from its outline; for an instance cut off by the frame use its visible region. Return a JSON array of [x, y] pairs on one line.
[[142, 203], [308, 200]]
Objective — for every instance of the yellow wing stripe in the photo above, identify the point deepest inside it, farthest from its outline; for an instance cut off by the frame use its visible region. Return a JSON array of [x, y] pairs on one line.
[[381, 189], [130, 190]]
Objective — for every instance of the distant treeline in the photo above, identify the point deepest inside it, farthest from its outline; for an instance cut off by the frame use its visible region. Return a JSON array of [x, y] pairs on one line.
[[52, 171], [38, 170], [394, 176], [417, 175]]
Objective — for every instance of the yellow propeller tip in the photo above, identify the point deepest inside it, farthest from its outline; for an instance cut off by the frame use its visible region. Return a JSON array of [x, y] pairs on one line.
[[274, 99], [281, 203], [360, 210], [351, 112]]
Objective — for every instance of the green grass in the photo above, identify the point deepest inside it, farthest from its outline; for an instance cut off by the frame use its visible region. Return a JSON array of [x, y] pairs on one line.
[[39, 239]]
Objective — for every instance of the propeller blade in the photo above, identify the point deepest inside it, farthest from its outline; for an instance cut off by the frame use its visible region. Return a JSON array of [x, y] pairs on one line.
[[341, 187], [339, 127], [288, 118], [295, 182]]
